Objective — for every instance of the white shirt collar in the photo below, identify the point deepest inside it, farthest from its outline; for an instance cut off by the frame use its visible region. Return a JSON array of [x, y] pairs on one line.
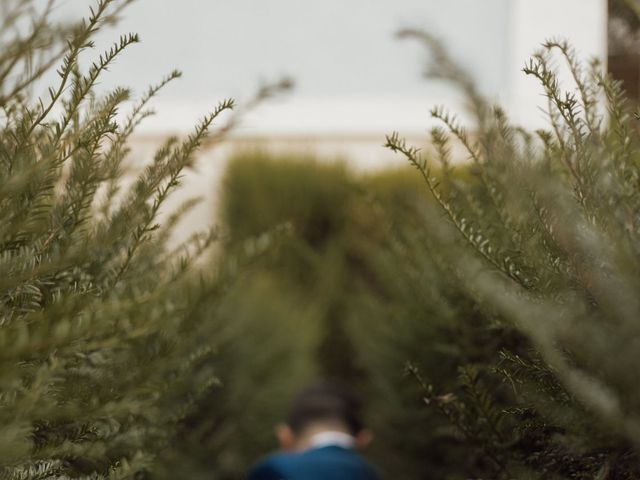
[[332, 439]]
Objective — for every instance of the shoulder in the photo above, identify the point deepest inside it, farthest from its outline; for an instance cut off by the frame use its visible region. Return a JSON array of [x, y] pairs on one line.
[[330, 462], [336, 463], [272, 467]]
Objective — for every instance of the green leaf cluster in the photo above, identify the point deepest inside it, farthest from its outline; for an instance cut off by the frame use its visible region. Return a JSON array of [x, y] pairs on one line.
[[106, 330], [545, 241]]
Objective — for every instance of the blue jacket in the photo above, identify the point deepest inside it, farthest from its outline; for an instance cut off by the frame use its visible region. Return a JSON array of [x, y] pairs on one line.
[[325, 463]]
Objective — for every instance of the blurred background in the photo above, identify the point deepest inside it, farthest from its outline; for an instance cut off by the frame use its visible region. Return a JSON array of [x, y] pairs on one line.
[[355, 81]]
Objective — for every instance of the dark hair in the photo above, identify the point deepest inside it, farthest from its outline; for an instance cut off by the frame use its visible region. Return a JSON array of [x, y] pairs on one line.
[[326, 401]]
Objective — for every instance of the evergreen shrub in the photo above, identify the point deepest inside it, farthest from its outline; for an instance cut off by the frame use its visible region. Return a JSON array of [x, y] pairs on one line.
[[545, 243], [106, 333]]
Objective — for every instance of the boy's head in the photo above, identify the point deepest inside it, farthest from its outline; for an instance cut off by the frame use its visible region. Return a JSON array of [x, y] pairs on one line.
[[320, 408]]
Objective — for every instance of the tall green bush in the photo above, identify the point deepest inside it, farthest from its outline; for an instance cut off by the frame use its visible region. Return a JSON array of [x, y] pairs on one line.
[[105, 332], [340, 256], [546, 243], [312, 204]]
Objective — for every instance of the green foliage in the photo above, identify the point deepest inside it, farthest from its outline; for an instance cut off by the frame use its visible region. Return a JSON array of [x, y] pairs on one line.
[[314, 204], [546, 243], [105, 332], [508, 298]]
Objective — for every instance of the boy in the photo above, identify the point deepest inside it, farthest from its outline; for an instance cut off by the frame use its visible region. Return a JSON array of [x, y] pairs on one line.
[[319, 439]]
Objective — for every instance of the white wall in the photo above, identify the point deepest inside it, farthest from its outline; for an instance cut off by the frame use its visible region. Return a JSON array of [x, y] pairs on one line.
[[352, 75], [582, 22]]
